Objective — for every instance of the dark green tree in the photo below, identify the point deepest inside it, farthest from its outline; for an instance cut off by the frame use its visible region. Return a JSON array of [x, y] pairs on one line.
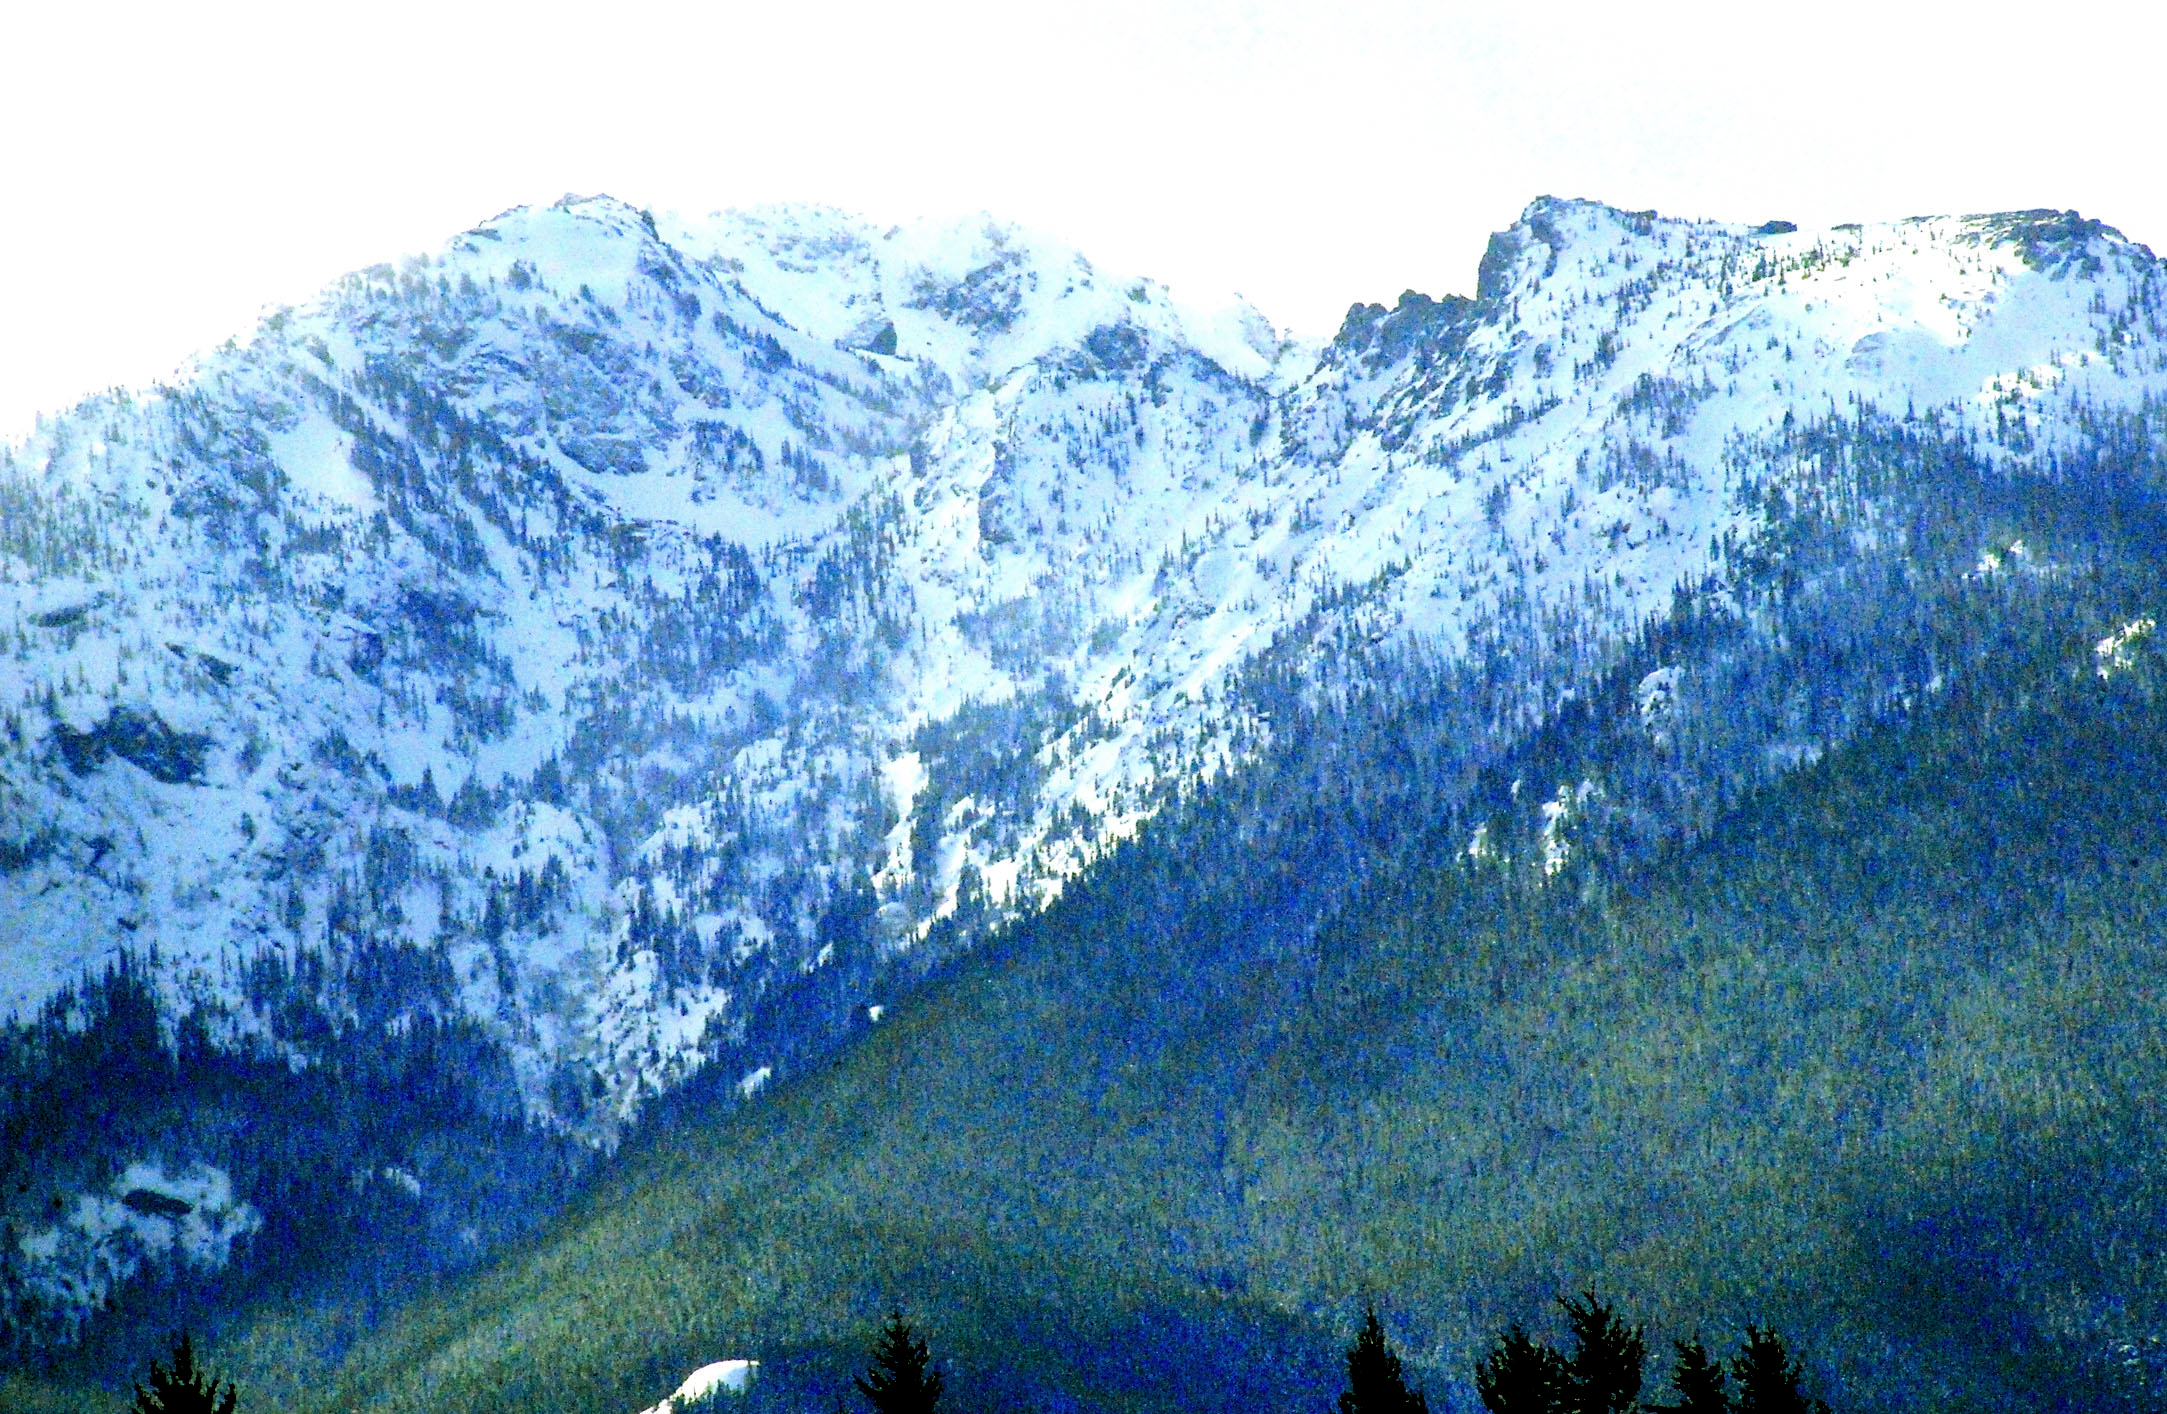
[[1375, 1383], [1604, 1372], [1697, 1379], [183, 1389], [1768, 1378], [1521, 1376], [902, 1379]]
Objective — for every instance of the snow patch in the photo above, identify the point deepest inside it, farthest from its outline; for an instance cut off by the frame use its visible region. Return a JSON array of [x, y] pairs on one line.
[[145, 1215], [1558, 814], [706, 1384], [1656, 694], [2117, 652], [1480, 848]]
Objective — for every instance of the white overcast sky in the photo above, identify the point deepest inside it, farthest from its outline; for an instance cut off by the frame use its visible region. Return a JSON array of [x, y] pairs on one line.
[[167, 170]]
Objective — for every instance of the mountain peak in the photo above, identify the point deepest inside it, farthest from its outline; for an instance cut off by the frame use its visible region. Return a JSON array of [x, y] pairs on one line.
[[636, 646]]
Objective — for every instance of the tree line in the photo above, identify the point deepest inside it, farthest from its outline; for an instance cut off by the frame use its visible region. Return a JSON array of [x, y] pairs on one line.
[[1602, 1369]]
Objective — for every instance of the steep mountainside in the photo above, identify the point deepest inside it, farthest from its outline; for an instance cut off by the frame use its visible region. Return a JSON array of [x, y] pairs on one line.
[[1877, 1062], [607, 651]]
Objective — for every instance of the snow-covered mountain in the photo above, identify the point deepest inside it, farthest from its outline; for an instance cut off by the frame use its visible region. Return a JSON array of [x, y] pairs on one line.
[[607, 629]]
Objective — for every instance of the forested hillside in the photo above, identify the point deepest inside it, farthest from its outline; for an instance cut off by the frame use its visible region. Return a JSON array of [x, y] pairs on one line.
[[1872, 1056], [615, 672]]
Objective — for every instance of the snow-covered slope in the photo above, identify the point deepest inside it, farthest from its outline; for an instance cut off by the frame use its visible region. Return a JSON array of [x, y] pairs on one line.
[[631, 620]]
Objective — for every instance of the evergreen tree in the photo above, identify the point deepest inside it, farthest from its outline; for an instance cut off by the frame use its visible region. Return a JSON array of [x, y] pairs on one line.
[[902, 1379], [1697, 1379], [1520, 1376], [183, 1389], [1768, 1378], [1604, 1373], [1375, 1384]]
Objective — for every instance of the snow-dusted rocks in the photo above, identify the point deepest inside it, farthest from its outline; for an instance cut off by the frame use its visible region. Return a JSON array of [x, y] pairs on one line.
[[146, 1214], [2117, 652]]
